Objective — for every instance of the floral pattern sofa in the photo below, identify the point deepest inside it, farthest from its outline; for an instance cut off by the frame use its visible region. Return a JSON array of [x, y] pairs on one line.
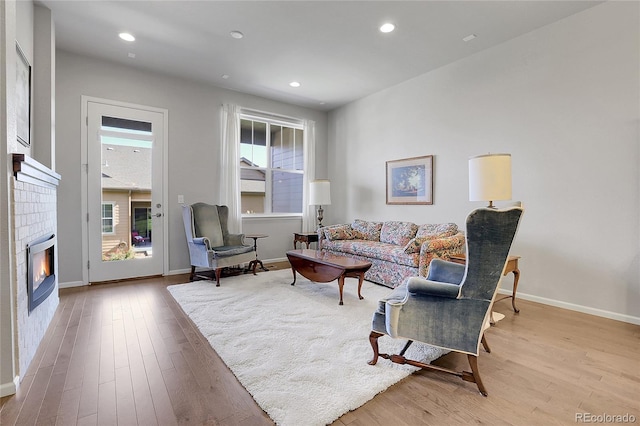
[[396, 250]]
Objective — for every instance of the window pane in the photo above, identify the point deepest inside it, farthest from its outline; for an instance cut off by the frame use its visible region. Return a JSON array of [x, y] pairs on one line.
[[286, 193], [276, 146], [253, 143], [252, 190], [299, 150], [288, 162]]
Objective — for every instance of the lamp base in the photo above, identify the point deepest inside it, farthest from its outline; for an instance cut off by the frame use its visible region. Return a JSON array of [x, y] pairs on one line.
[[320, 216]]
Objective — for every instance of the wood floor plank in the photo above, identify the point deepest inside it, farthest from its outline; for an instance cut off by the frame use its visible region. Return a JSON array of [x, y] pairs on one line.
[[165, 414], [125, 353]]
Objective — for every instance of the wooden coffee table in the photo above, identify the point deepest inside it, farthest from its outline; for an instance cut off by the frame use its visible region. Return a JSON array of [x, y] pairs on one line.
[[322, 267]]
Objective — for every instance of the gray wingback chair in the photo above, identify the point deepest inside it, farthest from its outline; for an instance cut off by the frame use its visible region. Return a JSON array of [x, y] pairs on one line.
[[210, 243], [451, 307]]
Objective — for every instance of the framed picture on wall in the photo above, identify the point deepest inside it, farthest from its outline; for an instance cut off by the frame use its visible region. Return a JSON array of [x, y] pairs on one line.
[[23, 95], [410, 181]]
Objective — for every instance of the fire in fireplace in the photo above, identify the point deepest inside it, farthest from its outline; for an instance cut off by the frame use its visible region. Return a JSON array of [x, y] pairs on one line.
[[41, 278]]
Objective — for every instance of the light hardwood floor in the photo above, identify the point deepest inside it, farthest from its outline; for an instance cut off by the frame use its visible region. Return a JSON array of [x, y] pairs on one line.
[[125, 354]]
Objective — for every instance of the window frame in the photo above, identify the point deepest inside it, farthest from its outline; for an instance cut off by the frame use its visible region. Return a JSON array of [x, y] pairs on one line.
[[112, 218], [271, 120]]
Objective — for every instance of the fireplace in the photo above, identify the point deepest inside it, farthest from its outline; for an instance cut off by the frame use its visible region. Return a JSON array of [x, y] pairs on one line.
[[41, 278]]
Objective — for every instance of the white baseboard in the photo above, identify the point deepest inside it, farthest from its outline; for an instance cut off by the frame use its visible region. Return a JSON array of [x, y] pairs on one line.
[[71, 284], [179, 271], [10, 388], [573, 307], [188, 270]]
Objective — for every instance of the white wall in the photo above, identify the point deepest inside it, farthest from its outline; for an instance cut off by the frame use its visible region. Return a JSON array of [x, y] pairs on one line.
[[564, 101], [194, 136]]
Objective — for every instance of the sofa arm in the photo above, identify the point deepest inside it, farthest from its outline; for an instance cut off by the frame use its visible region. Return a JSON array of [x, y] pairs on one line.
[[202, 241], [439, 248], [422, 286]]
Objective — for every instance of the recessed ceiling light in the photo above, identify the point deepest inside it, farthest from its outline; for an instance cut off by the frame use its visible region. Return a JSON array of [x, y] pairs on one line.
[[236, 34], [294, 84], [387, 28], [469, 37], [131, 55], [225, 76], [127, 37]]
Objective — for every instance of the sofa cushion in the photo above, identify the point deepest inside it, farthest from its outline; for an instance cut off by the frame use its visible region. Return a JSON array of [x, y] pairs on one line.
[[338, 232], [365, 230], [437, 230], [373, 250], [398, 233]]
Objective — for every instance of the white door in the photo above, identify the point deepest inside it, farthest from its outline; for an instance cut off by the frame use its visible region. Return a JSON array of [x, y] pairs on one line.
[[124, 192]]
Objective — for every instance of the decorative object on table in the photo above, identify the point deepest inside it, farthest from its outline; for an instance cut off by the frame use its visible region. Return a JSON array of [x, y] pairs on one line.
[[254, 263], [410, 181], [23, 98], [320, 195], [490, 178], [451, 307], [316, 371], [210, 243], [305, 238]]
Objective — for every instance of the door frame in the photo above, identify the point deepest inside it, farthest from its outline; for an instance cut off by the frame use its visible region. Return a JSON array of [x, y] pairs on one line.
[[84, 177]]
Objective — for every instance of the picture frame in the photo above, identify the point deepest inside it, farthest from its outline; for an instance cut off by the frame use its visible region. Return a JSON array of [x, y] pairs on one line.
[[23, 98], [410, 180]]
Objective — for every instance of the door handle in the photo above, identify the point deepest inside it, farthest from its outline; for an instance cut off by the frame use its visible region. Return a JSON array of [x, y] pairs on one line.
[[158, 214]]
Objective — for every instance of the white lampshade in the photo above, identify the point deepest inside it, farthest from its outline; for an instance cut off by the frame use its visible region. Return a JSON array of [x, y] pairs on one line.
[[490, 178], [320, 193]]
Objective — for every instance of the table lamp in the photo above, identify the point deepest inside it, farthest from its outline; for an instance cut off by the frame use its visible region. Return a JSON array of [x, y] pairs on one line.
[[319, 195], [490, 178]]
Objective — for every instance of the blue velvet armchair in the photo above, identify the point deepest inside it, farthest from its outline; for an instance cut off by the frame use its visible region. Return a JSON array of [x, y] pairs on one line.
[[210, 243], [451, 307]]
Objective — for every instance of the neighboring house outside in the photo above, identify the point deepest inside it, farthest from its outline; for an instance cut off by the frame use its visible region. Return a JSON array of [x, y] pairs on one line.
[[252, 187], [126, 196]]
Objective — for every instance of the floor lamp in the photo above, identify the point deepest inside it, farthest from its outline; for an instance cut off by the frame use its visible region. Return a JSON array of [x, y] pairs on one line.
[[490, 178], [319, 195]]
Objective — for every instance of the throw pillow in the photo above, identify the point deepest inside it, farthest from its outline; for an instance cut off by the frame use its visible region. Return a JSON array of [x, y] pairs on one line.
[[364, 230], [398, 233], [414, 245], [338, 232], [437, 230]]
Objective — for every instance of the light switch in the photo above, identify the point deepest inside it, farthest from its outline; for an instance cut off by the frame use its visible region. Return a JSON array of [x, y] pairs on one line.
[[180, 199]]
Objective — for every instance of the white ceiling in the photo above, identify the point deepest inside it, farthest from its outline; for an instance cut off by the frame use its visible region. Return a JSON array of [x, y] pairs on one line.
[[333, 48]]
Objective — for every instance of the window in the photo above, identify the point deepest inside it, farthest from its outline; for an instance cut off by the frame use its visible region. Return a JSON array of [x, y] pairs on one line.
[[271, 166], [107, 218]]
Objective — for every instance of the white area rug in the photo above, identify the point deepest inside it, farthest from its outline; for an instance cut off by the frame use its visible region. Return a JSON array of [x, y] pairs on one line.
[[300, 355]]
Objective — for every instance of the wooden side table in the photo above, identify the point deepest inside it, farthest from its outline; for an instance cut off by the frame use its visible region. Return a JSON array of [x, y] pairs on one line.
[[512, 266], [256, 261], [304, 237]]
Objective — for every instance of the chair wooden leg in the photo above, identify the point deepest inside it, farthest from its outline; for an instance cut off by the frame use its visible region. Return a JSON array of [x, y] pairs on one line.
[[373, 339], [485, 344], [218, 272], [473, 362], [193, 273]]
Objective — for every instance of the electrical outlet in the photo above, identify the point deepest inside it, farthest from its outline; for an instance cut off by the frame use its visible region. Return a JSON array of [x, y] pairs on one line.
[[180, 199]]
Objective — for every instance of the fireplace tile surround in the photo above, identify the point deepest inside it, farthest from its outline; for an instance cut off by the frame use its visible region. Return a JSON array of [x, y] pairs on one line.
[[33, 215]]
